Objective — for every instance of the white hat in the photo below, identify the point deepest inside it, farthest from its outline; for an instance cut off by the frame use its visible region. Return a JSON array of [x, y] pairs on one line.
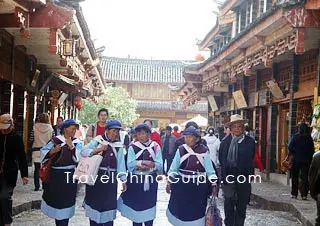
[[5, 121], [235, 119]]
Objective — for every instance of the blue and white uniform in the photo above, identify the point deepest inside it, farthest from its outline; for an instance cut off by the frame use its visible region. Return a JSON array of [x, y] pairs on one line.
[[138, 203], [189, 194], [59, 195], [101, 199]]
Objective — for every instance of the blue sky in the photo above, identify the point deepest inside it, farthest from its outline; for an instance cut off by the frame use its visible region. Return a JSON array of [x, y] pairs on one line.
[[157, 29]]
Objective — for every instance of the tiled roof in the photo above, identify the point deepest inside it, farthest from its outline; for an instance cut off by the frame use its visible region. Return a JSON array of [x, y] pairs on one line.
[[171, 105], [138, 70]]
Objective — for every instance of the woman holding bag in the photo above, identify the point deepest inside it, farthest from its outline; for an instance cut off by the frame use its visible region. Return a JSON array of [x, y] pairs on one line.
[[101, 199], [60, 155], [191, 167]]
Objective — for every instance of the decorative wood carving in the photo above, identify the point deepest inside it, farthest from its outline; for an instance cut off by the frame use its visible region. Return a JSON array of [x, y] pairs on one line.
[[300, 17]]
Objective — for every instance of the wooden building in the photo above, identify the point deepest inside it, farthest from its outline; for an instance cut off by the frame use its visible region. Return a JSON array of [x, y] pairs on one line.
[[264, 64], [48, 62], [151, 84]]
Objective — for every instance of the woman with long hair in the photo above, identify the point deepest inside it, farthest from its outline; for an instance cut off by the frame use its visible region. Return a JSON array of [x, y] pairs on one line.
[[301, 148], [42, 133]]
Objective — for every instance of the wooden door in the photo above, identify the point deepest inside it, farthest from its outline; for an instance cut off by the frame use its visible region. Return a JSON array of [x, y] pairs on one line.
[[283, 136]]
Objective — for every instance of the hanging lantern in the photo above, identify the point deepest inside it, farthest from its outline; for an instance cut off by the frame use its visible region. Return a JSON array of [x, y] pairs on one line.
[[199, 58], [68, 47]]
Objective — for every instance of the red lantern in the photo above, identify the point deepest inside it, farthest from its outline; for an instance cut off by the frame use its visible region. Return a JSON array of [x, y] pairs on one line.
[[199, 58]]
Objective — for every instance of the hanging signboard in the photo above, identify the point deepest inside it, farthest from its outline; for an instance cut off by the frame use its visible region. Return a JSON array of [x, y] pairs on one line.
[[213, 103], [275, 89], [239, 99]]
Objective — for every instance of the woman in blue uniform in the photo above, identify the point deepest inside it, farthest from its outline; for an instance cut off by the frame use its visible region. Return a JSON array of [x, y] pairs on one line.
[[59, 196], [138, 203], [192, 176], [101, 199]]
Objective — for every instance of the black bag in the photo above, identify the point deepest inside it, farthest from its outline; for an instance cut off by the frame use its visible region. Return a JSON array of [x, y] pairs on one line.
[[5, 190]]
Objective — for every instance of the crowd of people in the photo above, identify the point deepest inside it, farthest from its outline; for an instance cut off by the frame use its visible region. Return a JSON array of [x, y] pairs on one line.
[[146, 156]]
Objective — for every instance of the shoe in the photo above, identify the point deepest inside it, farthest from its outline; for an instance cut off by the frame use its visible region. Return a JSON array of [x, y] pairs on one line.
[[36, 189], [304, 198], [293, 196]]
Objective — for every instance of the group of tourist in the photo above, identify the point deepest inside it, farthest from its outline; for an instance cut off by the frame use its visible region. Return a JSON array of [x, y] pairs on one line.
[[137, 161]]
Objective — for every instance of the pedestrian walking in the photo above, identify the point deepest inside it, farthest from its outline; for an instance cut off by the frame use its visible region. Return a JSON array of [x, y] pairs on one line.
[[56, 128], [154, 136], [138, 203], [98, 128], [314, 183], [213, 144], [168, 151], [189, 196], [100, 201], [41, 134], [301, 148], [236, 155], [60, 156], [12, 159]]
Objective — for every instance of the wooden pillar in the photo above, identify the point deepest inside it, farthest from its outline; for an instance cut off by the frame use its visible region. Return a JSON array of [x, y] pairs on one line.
[[31, 100], [5, 88], [18, 109], [293, 88], [210, 116], [272, 139]]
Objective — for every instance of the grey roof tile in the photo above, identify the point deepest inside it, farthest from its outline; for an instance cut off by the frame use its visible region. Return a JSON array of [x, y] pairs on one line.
[[138, 70]]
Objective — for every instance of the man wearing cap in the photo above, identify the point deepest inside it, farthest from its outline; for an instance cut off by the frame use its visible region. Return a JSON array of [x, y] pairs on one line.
[[12, 159], [236, 156], [168, 150]]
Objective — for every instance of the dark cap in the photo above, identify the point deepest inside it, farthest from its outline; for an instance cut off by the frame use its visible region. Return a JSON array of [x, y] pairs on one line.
[[113, 124]]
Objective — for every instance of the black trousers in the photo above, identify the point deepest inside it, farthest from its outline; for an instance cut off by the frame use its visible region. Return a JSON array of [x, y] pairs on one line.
[[148, 223], [235, 204], [6, 210], [36, 174], [301, 169], [318, 211], [63, 222], [93, 223]]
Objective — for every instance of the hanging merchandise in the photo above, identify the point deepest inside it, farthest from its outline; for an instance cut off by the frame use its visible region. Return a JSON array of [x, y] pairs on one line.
[[316, 127]]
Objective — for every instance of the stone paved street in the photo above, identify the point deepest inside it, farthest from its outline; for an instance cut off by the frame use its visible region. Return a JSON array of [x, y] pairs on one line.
[[255, 216]]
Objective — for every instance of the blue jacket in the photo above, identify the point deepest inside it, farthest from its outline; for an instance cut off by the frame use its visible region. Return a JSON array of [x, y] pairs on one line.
[[246, 151]]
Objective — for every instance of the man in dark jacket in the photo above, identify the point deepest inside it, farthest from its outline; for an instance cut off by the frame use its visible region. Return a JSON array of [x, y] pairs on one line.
[[168, 151], [11, 153], [56, 128], [236, 156], [314, 183]]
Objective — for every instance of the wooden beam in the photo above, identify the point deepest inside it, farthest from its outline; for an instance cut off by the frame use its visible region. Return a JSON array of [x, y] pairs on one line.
[[249, 72], [299, 48], [260, 39]]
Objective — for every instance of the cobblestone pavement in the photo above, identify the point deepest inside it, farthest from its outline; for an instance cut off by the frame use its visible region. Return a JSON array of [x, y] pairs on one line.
[[255, 216]]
